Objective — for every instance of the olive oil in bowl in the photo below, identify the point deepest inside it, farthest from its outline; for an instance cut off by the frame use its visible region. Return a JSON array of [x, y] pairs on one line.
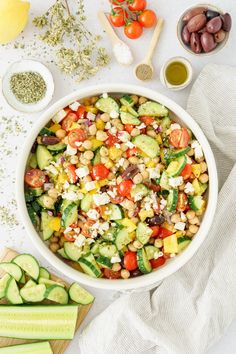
[[177, 73]]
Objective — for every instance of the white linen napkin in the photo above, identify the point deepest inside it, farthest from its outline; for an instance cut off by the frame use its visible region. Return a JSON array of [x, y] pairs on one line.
[[191, 309]]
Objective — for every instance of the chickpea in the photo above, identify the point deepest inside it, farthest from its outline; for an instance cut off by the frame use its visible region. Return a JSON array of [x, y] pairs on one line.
[[200, 159], [158, 243], [120, 127], [191, 152], [88, 155], [156, 159], [203, 166], [81, 148], [111, 176], [193, 229], [109, 164], [74, 159], [138, 178], [175, 218], [54, 239], [133, 160], [60, 133], [125, 164], [204, 178], [105, 117], [124, 147], [190, 214], [145, 174], [57, 233], [103, 151], [39, 140], [130, 213], [87, 144], [101, 135], [116, 121], [116, 267], [84, 161], [125, 274], [134, 98], [194, 221], [152, 133], [105, 159], [92, 129], [188, 233], [142, 100], [137, 244], [146, 159], [151, 241], [65, 140], [135, 132], [53, 193], [86, 179], [132, 248], [48, 202], [128, 204], [93, 99], [54, 247]]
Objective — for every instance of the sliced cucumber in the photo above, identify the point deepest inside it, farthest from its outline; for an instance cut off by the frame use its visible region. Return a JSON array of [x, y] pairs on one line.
[[86, 202], [33, 163], [33, 216], [176, 167], [165, 123], [41, 202], [115, 212], [57, 294], [183, 242], [180, 152], [13, 269], [164, 181], [32, 348], [172, 200], [57, 148], [128, 118], [151, 251], [104, 262], [143, 233], [110, 234], [72, 251], [49, 282], [29, 284], [97, 157], [44, 273], [143, 262], [70, 215], [107, 105], [3, 285], [196, 202], [123, 238], [80, 295], [154, 109], [140, 190], [47, 231], [33, 293], [46, 131], [107, 250], [43, 157], [35, 192], [28, 322], [12, 293], [29, 264], [89, 266], [127, 100], [62, 253], [147, 144]]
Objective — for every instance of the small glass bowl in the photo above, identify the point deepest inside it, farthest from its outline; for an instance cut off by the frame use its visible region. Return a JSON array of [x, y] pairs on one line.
[[180, 26]]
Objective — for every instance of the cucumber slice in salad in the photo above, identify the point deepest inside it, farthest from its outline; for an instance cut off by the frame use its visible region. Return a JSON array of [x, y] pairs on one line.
[[143, 233], [46, 131], [110, 234], [128, 118], [33, 163], [33, 293], [62, 253], [127, 101], [47, 231], [107, 250], [80, 295], [86, 202], [56, 148], [97, 157], [44, 273], [180, 152], [143, 262], [176, 167], [29, 284], [165, 123], [3, 285], [72, 251], [28, 263], [172, 200], [13, 269], [32, 348], [70, 215], [89, 266], [196, 202], [154, 109], [107, 105], [183, 242], [57, 294], [43, 157], [114, 212], [147, 144], [164, 181], [139, 190], [12, 293], [104, 262], [123, 238], [49, 282], [151, 251]]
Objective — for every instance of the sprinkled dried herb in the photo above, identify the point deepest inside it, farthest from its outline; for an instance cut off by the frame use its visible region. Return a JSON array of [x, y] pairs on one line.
[[83, 57], [28, 87]]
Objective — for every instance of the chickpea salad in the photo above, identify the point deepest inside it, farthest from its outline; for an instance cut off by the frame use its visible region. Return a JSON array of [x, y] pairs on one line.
[[115, 186]]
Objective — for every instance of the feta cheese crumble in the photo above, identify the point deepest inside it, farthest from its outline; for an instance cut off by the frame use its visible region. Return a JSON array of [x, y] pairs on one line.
[[80, 240], [105, 95], [91, 116], [176, 181], [57, 118], [71, 195], [70, 150], [154, 172], [74, 106], [114, 114], [82, 171], [93, 214], [180, 226], [188, 188], [141, 126], [124, 136], [115, 259], [101, 199], [108, 125], [130, 145], [175, 126], [89, 186]]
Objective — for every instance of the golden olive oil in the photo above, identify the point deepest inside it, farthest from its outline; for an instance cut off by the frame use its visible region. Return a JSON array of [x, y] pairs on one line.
[[176, 73]]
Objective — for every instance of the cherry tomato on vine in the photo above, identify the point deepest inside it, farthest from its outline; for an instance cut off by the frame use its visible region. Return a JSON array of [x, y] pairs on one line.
[[147, 18], [124, 188], [133, 30], [100, 172], [76, 136], [117, 16], [138, 5], [35, 178]]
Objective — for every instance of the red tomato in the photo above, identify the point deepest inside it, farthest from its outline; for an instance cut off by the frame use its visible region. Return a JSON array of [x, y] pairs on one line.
[[175, 136], [86, 228], [81, 112], [73, 178], [155, 230], [131, 152], [148, 120], [117, 16], [130, 260], [137, 5], [133, 30], [124, 188], [147, 18], [186, 172], [100, 172], [155, 263], [110, 274], [129, 128], [76, 136], [117, 199], [182, 202], [69, 236], [185, 137], [111, 140], [35, 178], [69, 120], [163, 232]]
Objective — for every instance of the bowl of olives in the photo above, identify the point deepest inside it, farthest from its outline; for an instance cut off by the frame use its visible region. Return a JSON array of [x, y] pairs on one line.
[[204, 29]]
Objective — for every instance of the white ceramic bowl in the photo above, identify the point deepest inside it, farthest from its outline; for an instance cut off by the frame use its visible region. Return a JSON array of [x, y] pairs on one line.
[[151, 279]]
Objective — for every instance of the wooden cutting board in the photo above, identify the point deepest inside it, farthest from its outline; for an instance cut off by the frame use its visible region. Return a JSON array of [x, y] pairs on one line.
[[58, 346]]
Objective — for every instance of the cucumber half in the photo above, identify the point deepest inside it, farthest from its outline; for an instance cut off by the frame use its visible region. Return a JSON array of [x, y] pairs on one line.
[[13, 269], [33, 293], [107, 105], [80, 295], [147, 144], [143, 262], [32, 348], [29, 264], [3, 285], [12, 293], [70, 215], [128, 118], [154, 109], [89, 266], [172, 200], [143, 233], [176, 167], [43, 157], [57, 294]]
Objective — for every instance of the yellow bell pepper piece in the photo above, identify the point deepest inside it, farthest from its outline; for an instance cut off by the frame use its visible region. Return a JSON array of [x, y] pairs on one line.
[[55, 224], [159, 139], [62, 178], [91, 109], [170, 244], [168, 226], [151, 164], [101, 183], [128, 224], [55, 127], [132, 235], [96, 143], [180, 233], [143, 214], [196, 169], [124, 108], [114, 153], [100, 125]]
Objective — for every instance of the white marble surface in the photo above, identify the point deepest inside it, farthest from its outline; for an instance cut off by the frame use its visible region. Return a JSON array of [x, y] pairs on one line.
[[15, 236]]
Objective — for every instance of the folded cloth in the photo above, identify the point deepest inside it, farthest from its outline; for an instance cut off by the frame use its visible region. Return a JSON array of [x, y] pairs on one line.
[[191, 309]]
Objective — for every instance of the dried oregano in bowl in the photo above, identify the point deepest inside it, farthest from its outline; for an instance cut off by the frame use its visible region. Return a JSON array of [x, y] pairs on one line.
[[77, 49]]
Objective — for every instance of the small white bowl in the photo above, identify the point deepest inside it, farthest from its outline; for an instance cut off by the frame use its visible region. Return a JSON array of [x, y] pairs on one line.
[[145, 281], [189, 70]]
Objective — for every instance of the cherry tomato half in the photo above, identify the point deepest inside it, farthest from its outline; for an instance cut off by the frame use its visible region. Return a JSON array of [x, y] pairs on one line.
[[116, 199], [155, 230], [138, 5], [81, 111], [133, 30], [129, 128], [111, 140], [147, 18], [182, 202], [124, 188], [73, 178], [110, 274], [131, 152], [117, 16], [69, 236], [148, 120], [179, 138], [100, 172], [155, 263], [69, 120], [86, 228], [35, 178], [163, 232], [76, 136], [185, 137], [186, 172], [130, 260]]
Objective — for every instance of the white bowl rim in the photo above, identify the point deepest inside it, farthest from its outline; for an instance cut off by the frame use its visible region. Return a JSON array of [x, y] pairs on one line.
[[148, 280]]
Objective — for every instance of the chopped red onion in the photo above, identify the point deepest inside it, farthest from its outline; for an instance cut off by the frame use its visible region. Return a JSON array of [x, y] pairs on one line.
[[50, 213], [88, 122]]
